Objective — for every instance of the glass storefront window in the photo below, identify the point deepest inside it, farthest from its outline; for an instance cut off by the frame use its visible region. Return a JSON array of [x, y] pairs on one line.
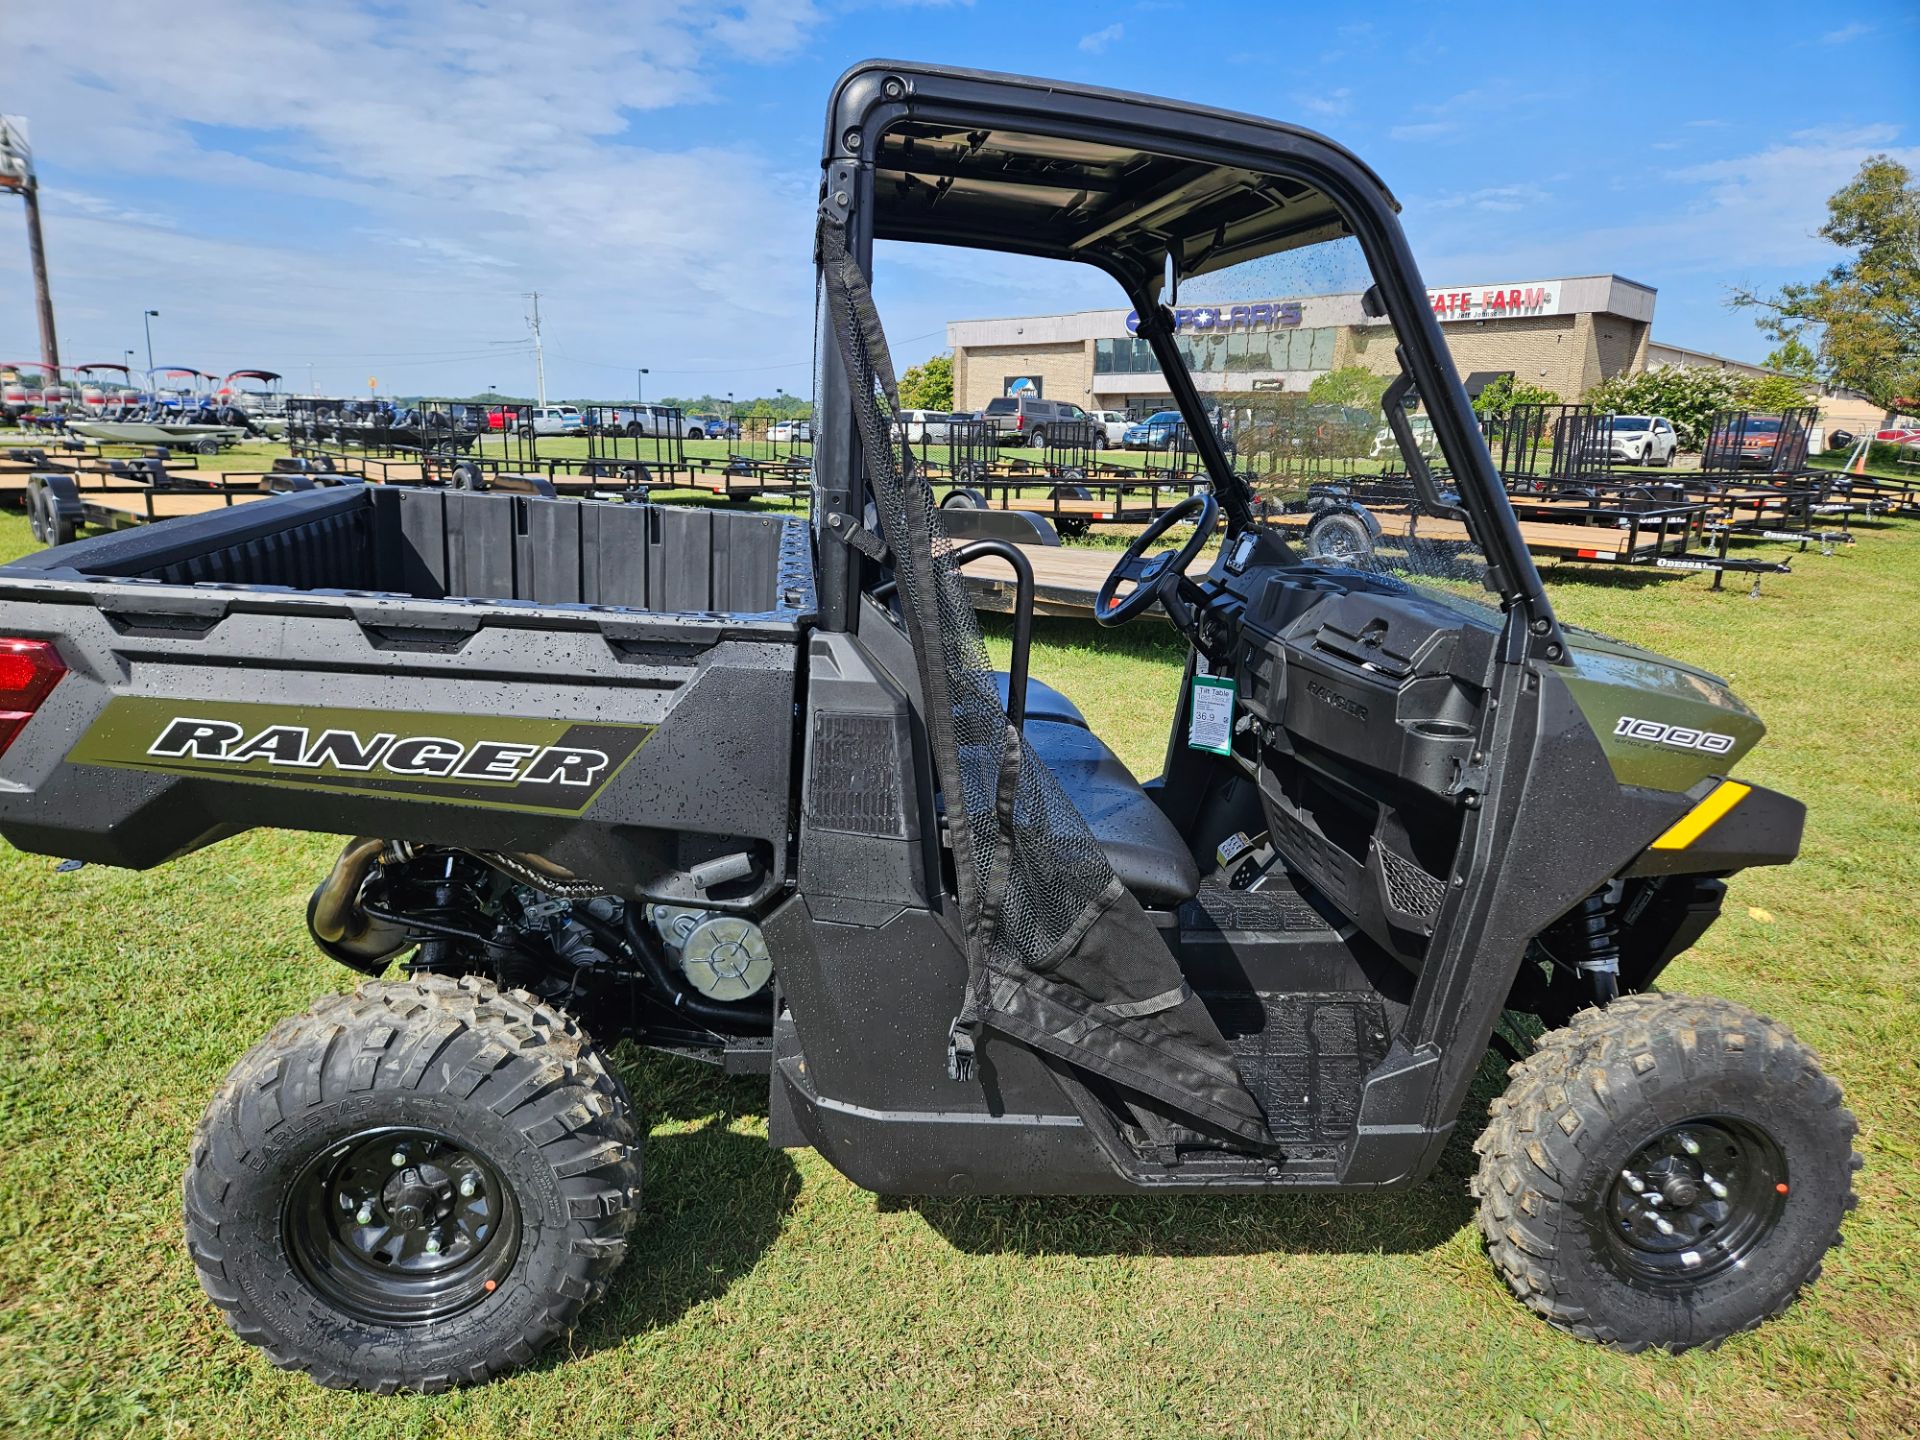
[[1234, 352]]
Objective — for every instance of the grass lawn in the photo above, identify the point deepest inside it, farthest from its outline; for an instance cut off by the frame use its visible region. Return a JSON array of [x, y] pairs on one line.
[[765, 1295]]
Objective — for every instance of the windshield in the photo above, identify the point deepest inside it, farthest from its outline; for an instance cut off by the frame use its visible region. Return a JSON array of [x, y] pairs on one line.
[[1631, 423], [1294, 376]]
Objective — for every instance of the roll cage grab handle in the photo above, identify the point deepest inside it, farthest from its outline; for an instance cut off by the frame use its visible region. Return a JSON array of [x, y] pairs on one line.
[[875, 96]]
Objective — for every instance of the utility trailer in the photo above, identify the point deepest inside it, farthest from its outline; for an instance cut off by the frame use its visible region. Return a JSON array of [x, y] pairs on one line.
[[745, 788]]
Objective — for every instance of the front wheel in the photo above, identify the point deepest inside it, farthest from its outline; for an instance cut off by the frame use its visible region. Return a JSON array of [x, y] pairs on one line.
[[414, 1186], [1665, 1173]]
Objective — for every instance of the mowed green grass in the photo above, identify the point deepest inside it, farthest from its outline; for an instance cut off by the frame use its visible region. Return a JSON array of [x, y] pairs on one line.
[[765, 1295]]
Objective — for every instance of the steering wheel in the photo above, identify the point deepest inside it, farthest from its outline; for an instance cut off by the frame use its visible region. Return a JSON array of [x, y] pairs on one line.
[[1150, 575]]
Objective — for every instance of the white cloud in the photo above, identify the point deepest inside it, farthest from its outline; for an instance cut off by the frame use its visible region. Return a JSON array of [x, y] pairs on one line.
[[1759, 211], [1098, 42], [1851, 31], [1330, 103], [1495, 199], [338, 179], [1478, 111]]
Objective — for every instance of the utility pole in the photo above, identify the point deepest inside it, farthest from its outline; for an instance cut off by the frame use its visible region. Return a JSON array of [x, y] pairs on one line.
[[16, 173], [640, 386], [539, 355]]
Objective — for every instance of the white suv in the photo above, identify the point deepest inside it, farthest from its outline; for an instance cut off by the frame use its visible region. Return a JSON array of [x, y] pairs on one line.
[[551, 420], [1642, 440]]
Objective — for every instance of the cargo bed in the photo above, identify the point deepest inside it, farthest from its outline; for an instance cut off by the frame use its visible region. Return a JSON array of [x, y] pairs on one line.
[[610, 685]]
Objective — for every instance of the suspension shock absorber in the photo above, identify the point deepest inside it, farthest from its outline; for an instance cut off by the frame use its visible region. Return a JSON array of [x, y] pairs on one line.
[[1597, 940]]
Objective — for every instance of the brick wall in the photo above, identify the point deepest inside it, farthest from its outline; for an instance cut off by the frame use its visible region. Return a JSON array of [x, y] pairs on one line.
[[1568, 354], [980, 374]]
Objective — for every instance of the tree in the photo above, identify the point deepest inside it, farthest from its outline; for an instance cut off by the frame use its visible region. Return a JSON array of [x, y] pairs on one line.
[[1497, 400], [1792, 357], [1772, 392], [1865, 311], [928, 385], [1354, 386]]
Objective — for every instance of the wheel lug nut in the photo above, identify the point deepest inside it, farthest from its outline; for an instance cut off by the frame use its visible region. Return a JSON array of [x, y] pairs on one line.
[[1634, 1182], [433, 1244], [364, 1215], [399, 1159], [1660, 1224], [1690, 1145], [467, 1186], [1719, 1190]]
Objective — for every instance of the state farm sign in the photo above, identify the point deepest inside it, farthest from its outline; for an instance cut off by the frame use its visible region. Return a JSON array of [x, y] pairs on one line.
[[1496, 302]]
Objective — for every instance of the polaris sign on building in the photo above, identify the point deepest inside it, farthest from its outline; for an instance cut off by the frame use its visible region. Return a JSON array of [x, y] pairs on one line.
[[1567, 334]]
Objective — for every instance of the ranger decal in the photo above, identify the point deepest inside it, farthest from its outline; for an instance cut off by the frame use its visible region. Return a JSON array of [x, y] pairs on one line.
[[506, 762]]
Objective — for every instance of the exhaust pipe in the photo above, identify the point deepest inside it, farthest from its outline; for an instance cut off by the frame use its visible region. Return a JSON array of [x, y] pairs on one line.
[[341, 929]]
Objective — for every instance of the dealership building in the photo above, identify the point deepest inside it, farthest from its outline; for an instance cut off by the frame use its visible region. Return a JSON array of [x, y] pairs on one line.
[[1567, 334]]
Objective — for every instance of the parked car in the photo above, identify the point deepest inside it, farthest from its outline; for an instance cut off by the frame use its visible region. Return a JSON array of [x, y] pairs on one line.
[[1421, 429], [1756, 443], [1642, 440], [712, 427], [789, 432], [1158, 431], [551, 420], [1110, 426], [1022, 420], [933, 427]]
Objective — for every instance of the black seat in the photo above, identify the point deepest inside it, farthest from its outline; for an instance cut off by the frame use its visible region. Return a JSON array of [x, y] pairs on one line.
[[1139, 841], [1043, 701]]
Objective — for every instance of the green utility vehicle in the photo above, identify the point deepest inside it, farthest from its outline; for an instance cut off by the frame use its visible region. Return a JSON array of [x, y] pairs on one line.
[[745, 788]]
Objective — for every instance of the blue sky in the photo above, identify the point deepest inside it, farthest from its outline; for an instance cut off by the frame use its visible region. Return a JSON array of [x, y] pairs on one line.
[[357, 190]]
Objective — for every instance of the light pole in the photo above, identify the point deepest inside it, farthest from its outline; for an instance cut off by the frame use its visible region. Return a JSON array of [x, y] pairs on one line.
[[146, 322], [640, 385], [731, 428]]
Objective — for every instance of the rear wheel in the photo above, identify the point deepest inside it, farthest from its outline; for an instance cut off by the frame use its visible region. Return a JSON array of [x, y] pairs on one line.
[[1665, 1173], [414, 1186]]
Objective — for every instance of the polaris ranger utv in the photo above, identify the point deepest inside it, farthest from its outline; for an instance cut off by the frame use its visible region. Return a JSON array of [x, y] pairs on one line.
[[746, 789]]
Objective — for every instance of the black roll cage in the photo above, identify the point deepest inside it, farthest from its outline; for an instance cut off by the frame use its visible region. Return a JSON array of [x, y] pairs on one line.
[[875, 97]]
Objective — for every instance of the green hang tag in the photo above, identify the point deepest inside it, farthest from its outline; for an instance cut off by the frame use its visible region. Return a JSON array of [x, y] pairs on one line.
[[1210, 716]]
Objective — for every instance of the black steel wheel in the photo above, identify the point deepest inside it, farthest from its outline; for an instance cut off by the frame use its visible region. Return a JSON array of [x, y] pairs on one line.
[[402, 1226], [414, 1186], [37, 514], [1665, 1172], [1697, 1197]]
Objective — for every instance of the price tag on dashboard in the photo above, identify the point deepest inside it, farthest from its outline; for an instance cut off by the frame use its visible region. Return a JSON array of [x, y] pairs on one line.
[[1210, 717]]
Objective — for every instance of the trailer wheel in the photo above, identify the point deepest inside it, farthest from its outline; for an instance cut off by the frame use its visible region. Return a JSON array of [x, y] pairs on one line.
[[37, 514], [414, 1186], [1339, 537], [206, 445], [1665, 1173], [963, 498]]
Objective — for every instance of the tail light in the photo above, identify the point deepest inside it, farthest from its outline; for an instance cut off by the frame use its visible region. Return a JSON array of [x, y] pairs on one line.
[[1019, 422], [29, 669]]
